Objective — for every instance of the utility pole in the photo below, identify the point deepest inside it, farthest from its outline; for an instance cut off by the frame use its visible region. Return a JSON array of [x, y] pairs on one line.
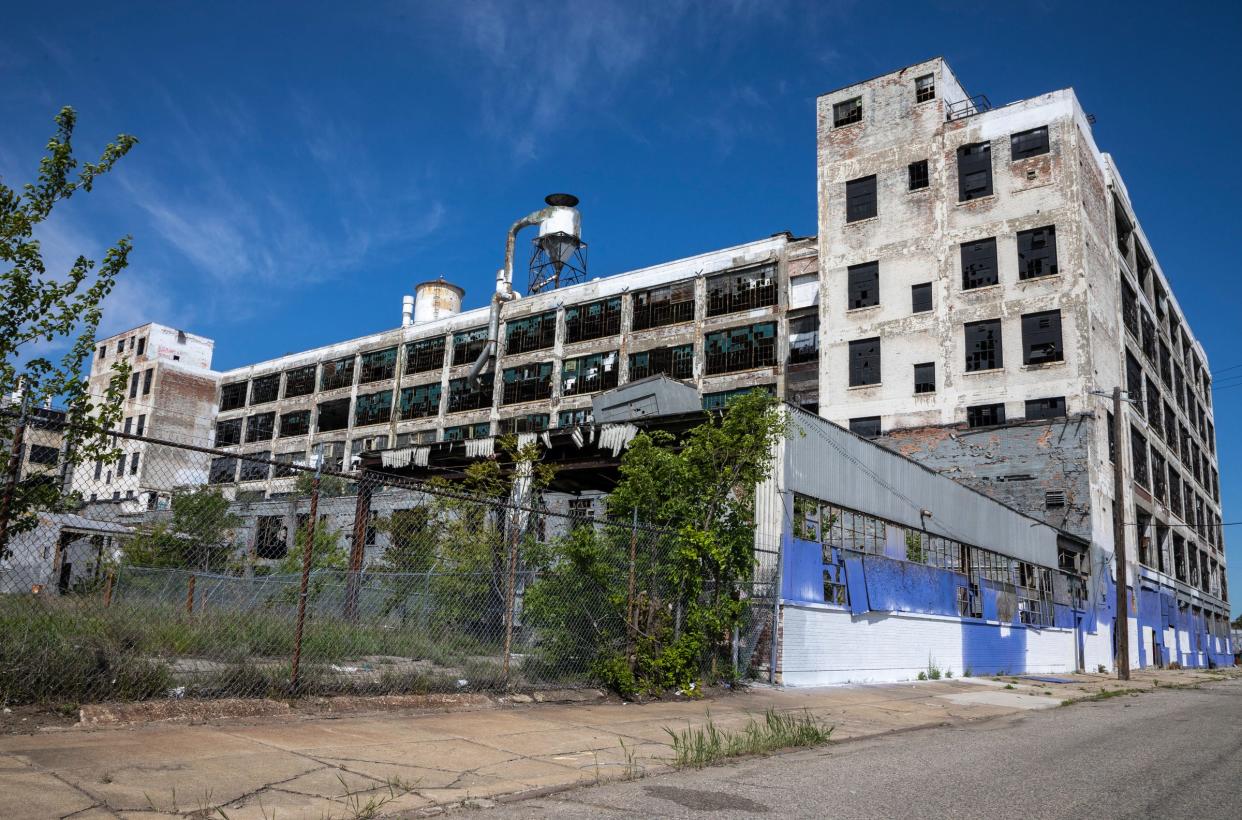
[[1121, 625]]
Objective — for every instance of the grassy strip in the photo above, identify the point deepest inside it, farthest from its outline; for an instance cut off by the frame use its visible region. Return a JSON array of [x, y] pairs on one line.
[[702, 746]]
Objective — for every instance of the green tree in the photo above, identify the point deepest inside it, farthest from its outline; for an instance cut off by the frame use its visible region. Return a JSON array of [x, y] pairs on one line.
[[199, 536], [42, 310]]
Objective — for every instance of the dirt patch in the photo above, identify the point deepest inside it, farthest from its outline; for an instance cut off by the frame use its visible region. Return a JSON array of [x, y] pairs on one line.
[[25, 720], [180, 711]]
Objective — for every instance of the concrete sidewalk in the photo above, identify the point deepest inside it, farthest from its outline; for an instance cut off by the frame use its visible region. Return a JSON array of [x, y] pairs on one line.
[[403, 763]]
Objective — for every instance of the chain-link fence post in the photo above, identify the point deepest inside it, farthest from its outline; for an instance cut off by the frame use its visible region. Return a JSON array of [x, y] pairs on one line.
[[631, 614], [357, 550], [14, 473], [189, 596], [307, 554]]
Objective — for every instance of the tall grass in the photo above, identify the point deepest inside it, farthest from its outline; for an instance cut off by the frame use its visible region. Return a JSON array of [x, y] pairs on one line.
[[702, 746]]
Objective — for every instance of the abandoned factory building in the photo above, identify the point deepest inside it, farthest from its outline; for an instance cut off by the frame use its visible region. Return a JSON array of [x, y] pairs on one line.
[[978, 285]]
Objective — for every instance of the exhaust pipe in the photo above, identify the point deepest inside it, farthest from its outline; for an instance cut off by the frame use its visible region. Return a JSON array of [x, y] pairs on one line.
[[407, 311]]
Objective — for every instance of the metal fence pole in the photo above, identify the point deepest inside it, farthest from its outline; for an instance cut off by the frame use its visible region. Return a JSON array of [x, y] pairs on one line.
[[15, 469], [189, 596], [510, 591], [109, 580], [306, 567], [362, 513], [631, 613]]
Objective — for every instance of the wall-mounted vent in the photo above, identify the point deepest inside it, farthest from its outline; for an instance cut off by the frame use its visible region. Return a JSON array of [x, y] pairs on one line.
[[1054, 499]]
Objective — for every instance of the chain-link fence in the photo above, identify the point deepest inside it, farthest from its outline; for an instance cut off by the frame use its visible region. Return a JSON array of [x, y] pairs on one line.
[[175, 570]]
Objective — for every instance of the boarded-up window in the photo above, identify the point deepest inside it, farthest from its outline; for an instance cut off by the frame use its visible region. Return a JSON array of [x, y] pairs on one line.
[[860, 199], [803, 291], [865, 362], [1029, 143], [921, 297]]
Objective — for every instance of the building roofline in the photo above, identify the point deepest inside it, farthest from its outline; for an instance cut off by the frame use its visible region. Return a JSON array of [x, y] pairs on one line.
[[878, 76]]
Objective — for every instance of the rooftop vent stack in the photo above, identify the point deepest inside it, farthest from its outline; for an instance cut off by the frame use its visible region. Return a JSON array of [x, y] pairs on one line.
[[436, 299], [559, 257], [407, 310]]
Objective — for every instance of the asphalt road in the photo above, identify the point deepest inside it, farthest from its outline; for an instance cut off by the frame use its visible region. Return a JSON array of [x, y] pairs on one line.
[[1170, 753]]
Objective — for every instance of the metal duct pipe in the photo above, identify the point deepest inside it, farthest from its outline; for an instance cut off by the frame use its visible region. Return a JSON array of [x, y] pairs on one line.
[[407, 311]]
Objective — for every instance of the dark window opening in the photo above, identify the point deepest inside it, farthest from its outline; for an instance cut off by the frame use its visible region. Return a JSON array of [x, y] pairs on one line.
[[228, 432], [574, 418], [675, 362], [865, 362], [864, 285], [147, 375], [720, 400], [223, 470], [333, 415], [1138, 454], [1134, 384], [847, 112], [424, 355], [300, 381], [589, 374], [330, 455], [133, 464], [925, 88], [531, 333], [468, 431], [527, 383], [375, 408], [133, 387], [921, 297], [464, 396], [265, 389], [741, 348], [804, 339], [337, 374], [270, 538], [664, 306], [1041, 337], [593, 320], [974, 171], [983, 345], [378, 365], [860, 199], [867, 426], [259, 427], [530, 423], [919, 178], [255, 470], [925, 377], [46, 456], [142, 346], [1049, 408], [1037, 252], [232, 396], [295, 423], [468, 345], [1129, 307], [420, 402], [985, 415], [979, 263], [743, 290], [1029, 143]]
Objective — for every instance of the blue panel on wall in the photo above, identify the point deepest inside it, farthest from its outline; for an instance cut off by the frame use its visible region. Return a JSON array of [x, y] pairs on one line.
[[1063, 616], [856, 583], [989, 601], [803, 578], [904, 586]]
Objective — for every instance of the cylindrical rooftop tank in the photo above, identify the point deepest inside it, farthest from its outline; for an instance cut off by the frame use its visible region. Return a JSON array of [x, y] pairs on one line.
[[436, 299], [564, 217]]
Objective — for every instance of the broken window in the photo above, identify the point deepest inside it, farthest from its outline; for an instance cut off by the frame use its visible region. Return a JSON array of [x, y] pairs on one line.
[[232, 396], [378, 365], [374, 408], [333, 415], [465, 396], [142, 346], [1138, 454], [589, 374], [1134, 383], [675, 362], [223, 470], [529, 423], [666, 305], [1052, 407], [985, 415], [925, 88], [741, 348], [265, 389], [228, 432], [283, 468], [468, 345], [974, 171], [529, 382], [575, 418], [741, 290], [1152, 405], [300, 381], [141, 425], [1159, 477], [468, 431], [865, 362], [1037, 252], [867, 426], [1170, 428], [420, 402], [804, 339], [1129, 307], [103, 351], [531, 333], [921, 297], [919, 178], [1148, 335], [255, 470], [925, 377], [1165, 364], [147, 375], [864, 285], [1029, 143], [259, 427], [44, 455], [133, 386], [1125, 227], [270, 537], [295, 423], [979, 263], [860, 199], [720, 399], [983, 345], [593, 320], [424, 355], [330, 455], [337, 374], [133, 463], [847, 112], [1041, 337]]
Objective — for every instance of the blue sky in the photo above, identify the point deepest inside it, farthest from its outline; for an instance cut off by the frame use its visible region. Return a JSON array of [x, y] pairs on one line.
[[302, 165]]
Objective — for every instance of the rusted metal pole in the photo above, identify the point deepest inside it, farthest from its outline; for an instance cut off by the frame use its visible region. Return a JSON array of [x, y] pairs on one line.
[[14, 473], [189, 596], [1121, 626], [362, 514], [109, 580], [306, 567], [631, 613]]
